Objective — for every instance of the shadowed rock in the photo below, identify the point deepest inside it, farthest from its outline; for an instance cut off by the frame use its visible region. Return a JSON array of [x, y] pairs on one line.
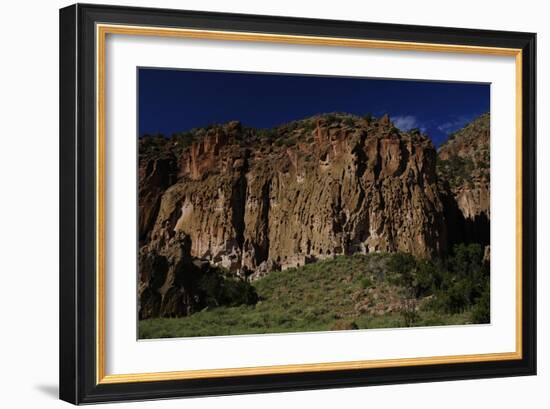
[[464, 173]]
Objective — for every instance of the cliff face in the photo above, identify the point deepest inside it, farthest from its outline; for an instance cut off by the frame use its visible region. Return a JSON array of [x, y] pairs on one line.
[[155, 175], [464, 173], [254, 200]]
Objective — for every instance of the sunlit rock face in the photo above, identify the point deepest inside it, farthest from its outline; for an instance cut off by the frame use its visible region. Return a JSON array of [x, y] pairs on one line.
[[254, 200]]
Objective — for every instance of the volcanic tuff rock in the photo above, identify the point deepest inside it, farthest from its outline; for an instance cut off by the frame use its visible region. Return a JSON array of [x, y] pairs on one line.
[[255, 200], [468, 150], [464, 173], [174, 284]]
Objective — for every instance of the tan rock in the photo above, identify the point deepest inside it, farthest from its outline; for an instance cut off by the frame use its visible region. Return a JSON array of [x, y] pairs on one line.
[[329, 185]]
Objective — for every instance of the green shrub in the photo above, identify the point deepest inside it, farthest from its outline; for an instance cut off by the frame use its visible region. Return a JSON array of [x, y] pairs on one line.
[[427, 279], [459, 283], [464, 282], [289, 141], [216, 289], [331, 118], [309, 126], [348, 121], [481, 313], [266, 133], [408, 313], [238, 292], [456, 169], [403, 267], [366, 282]]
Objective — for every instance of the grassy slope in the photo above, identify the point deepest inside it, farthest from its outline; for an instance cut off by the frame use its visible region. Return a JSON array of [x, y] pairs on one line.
[[327, 295]]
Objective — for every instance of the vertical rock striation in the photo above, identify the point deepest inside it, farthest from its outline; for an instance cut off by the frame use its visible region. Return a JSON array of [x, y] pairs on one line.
[[257, 200]]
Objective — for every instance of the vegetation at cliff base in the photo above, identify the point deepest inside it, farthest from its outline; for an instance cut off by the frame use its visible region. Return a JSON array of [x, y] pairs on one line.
[[377, 290]]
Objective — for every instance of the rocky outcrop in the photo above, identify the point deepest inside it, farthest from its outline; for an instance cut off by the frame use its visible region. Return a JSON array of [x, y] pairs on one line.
[[254, 201], [464, 173], [173, 283], [167, 275], [155, 175]]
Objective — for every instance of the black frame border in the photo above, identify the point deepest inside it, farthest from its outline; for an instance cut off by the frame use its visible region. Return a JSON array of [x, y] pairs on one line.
[[78, 197]]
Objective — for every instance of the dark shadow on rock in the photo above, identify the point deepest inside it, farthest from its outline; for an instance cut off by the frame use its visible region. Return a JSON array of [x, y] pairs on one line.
[[464, 230]]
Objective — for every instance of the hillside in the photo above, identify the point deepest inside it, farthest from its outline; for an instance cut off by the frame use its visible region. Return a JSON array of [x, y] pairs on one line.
[[377, 290], [464, 161]]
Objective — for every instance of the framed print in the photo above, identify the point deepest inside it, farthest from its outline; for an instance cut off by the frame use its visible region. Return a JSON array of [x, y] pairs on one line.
[[258, 203]]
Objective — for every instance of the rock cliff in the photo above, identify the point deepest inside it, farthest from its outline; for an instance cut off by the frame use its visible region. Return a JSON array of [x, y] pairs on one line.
[[464, 172], [255, 200]]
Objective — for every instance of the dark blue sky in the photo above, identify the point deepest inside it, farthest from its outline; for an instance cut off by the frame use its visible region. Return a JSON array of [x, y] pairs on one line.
[[178, 100]]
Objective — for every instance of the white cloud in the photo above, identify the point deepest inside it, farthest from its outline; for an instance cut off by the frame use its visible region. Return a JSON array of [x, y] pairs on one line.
[[405, 122]]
